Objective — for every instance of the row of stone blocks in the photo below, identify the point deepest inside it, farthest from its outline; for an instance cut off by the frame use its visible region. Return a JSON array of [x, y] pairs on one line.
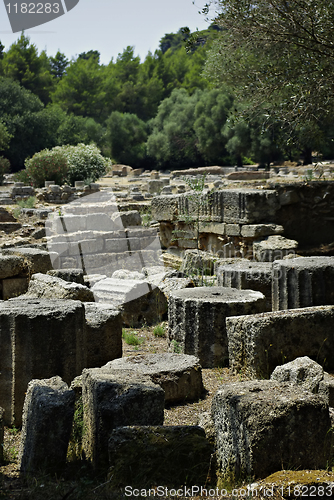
[[230, 206], [198, 317], [287, 284], [258, 427], [43, 337]]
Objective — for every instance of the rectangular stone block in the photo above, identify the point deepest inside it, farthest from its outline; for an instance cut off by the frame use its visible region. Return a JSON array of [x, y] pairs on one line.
[[264, 426], [116, 245], [165, 208], [249, 206], [258, 343], [13, 287], [39, 338], [115, 399]]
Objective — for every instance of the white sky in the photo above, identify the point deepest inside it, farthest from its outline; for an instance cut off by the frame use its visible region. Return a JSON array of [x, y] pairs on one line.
[[109, 26]]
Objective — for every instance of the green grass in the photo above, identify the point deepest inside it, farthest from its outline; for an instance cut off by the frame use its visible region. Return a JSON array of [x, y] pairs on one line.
[[160, 330], [131, 338]]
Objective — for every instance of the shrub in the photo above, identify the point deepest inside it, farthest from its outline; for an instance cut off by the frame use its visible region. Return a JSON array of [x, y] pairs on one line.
[[159, 330], [131, 338], [85, 163], [47, 165], [4, 168]]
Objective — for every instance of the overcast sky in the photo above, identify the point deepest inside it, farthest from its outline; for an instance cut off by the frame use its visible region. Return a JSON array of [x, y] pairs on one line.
[[109, 26]]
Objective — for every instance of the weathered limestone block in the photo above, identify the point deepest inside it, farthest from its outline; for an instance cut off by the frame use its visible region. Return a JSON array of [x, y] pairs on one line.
[[127, 219], [103, 333], [47, 423], [244, 274], [273, 248], [303, 282], [70, 275], [159, 455], [165, 208], [179, 375], [198, 262], [10, 227], [39, 261], [116, 398], [258, 230], [140, 301], [39, 339], [154, 186], [265, 426], [326, 388], [249, 206], [13, 287], [197, 320], [304, 372], [260, 342], [43, 286]]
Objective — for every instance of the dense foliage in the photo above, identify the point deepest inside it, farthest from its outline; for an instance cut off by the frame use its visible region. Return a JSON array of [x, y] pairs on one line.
[[256, 86]]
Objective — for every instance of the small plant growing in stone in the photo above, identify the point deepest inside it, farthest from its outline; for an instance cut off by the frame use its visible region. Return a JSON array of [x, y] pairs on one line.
[[159, 330], [131, 338], [28, 203], [176, 347]]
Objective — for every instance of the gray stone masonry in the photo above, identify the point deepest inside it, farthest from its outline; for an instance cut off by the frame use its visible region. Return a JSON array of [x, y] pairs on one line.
[[71, 275], [140, 301], [304, 372], [273, 248], [244, 274], [112, 399], [326, 388], [103, 333], [47, 424], [11, 265], [265, 426], [303, 282], [39, 261], [50, 287], [179, 375], [39, 338], [260, 342], [144, 457], [197, 320]]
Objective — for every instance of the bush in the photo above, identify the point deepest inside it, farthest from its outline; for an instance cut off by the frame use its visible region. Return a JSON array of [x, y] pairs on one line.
[[47, 165], [4, 168], [85, 163]]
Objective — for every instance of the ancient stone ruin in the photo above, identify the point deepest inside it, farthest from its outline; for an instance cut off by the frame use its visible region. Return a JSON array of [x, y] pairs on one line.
[[235, 275]]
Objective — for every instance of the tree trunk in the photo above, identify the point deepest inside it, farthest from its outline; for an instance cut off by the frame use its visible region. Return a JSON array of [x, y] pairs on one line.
[[307, 154]]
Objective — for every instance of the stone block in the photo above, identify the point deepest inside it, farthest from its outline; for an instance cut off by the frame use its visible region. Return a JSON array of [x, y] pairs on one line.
[[179, 375], [249, 206], [140, 301], [198, 262], [232, 229], [246, 275], [260, 342], [136, 455], [13, 287], [10, 227], [99, 222], [273, 248], [154, 186], [38, 261], [43, 286], [47, 425], [258, 230], [197, 320], [265, 426], [70, 275], [303, 282], [112, 399], [326, 388], [116, 245], [127, 219], [39, 339], [304, 372], [103, 334], [165, 208]]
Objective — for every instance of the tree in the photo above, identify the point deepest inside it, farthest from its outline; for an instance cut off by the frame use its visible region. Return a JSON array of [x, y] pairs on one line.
[[4, 136], [58, 64], [77, 129], [126, 135], [279, 55], [22, 63]]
